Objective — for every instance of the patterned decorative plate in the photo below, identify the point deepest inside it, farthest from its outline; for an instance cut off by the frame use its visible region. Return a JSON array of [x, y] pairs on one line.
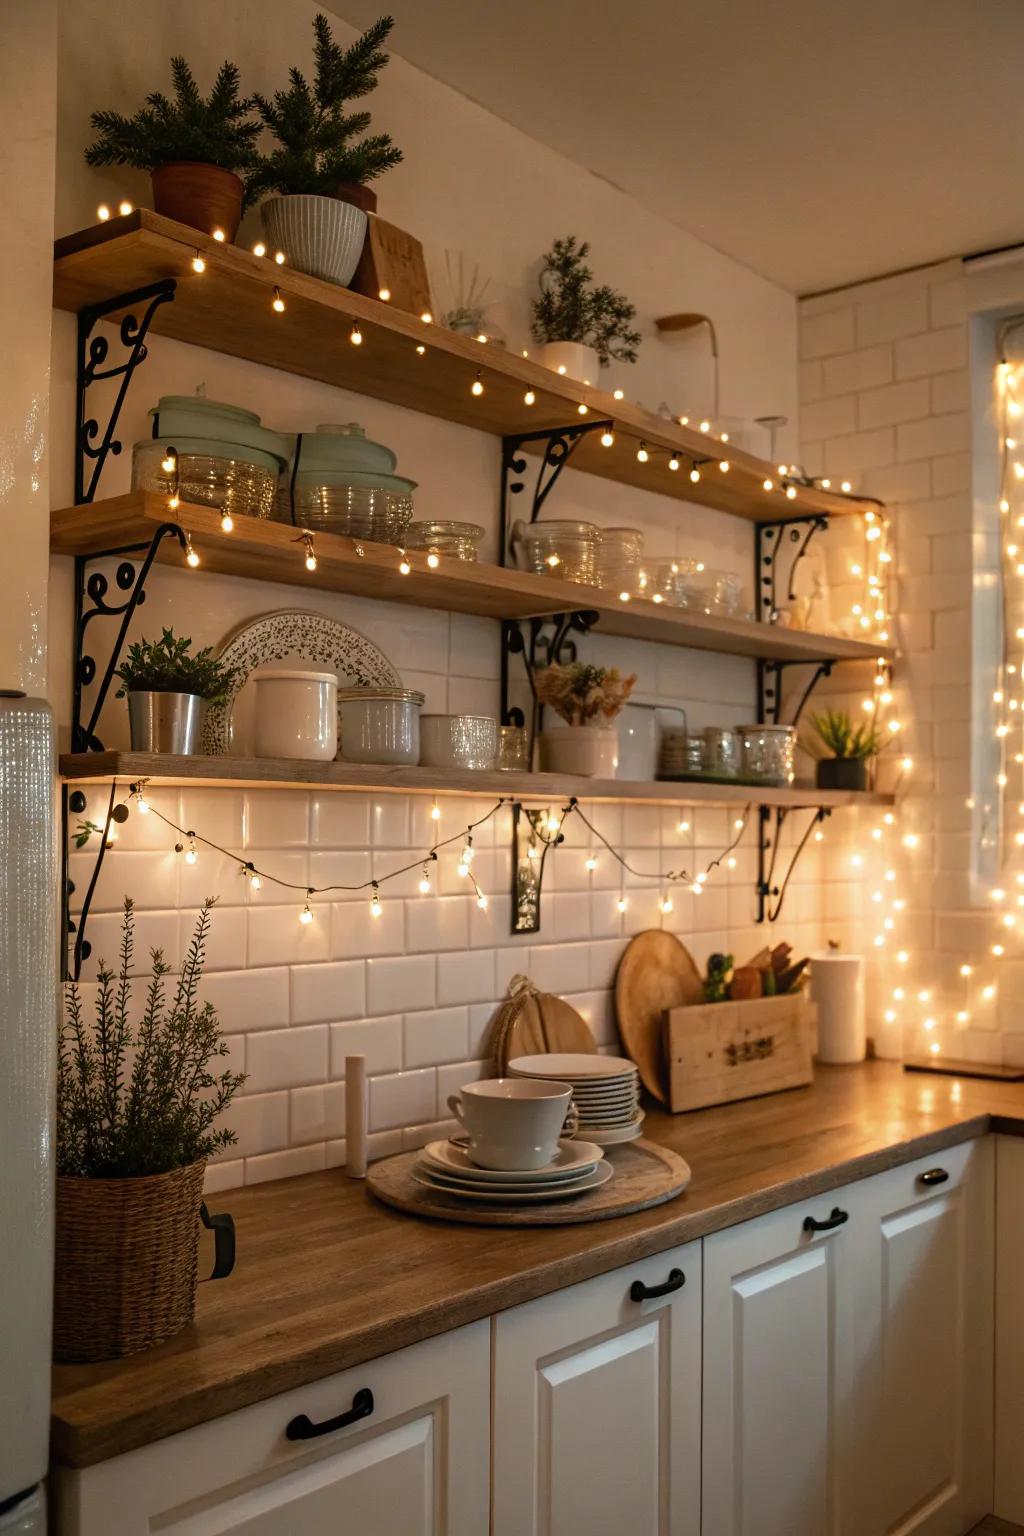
[[292, 634]]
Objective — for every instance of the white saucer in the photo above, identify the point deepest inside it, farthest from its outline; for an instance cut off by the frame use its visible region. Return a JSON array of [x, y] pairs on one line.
[[615, 1135], [570, 1066], [557, 1191], [453, 1161]]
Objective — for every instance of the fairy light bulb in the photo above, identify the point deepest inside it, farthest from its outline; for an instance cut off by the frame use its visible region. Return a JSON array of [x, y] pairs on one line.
[[607, 438], [478, 386], [435, 812], [530, 398], [694, 474], [641, 454], [375, 905], [768, 485], [404, 566], [618, 394], [421, 350], [433, 560], [622, 904], [306, 916], [191, 855], [591, 864], [259, 249], [673, 463], [723, 465], [384, 294], [846, 487], [307, 542], [791, 493], [666, 904], [427, 317], [227, 522], [141, 804], [683, 826], [169, 462], [255, 883], [191, 558], [355, 336], [278, 302], [705, 426], [198, 263], [103, 213], [425, 881], [279, 258], [966, 970], [481, 901], [581, 409], [218, 235]]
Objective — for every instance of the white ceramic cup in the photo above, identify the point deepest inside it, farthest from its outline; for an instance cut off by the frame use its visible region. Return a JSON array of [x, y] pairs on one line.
[[514, 1122]]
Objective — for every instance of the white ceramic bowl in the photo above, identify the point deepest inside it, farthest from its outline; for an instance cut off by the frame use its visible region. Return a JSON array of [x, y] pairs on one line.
[[458, 741], [380, 725], [297, 715]]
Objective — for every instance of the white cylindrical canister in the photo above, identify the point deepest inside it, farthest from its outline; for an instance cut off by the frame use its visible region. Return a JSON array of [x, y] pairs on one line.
[[355, 1117], [837, 987]]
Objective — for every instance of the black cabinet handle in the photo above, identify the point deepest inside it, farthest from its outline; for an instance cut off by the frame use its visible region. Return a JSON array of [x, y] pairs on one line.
[[640, 1292], [303, 1428], [933, 1176], [837, 1218]]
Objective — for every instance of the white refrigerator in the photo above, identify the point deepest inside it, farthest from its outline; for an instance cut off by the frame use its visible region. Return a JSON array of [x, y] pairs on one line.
[[29, 908]]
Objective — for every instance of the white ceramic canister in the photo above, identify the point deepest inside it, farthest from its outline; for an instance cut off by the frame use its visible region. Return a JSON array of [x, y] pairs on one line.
[[583, 751], [837, 987], [380, 725], [297, 715]]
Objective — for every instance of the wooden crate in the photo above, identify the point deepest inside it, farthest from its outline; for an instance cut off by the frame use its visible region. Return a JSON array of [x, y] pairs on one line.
[[718, 1052]]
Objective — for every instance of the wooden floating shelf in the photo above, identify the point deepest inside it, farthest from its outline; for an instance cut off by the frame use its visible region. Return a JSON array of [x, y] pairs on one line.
[[228, 308], [284, 772], [271, 551]]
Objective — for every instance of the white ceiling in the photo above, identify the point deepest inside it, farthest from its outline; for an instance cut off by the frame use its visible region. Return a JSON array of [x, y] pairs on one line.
[[817, 141]]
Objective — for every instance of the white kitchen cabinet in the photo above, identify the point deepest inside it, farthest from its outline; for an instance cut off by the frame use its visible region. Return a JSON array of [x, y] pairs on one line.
[[780, 1378], [1009, 1292], [597, 1406], [417, 1465], [924, 1320]]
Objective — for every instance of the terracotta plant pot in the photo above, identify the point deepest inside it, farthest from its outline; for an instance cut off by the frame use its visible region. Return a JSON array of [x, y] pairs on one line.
[[127, 1259], [842, 773], [204, 197]]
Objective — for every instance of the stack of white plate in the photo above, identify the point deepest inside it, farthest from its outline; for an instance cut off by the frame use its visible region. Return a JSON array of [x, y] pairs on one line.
[[605, 1090], [447, 1166]]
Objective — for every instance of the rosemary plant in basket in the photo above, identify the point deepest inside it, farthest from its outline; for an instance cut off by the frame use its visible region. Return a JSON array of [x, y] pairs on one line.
[[145, 1099], [583, 694]]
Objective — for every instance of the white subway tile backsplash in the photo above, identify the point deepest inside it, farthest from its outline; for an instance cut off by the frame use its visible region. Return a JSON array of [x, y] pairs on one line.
[[277, 937], [260, 1122], [276, 818], [339, 819], [328, 993], [437, 1036], [403, 982], [287, 1058], [355, 931], [403, 1099], [438, 923], [465, 978], [285, 1165], [379, 1040], [389, 821], [248, 1000], [317, 1113]]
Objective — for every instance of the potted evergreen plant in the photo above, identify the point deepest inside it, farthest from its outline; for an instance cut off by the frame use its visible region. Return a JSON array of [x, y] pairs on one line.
[[581, 327], [166, 688], [137, 1113], [842, 749], [587, 698], [324, 160], [193, 149]]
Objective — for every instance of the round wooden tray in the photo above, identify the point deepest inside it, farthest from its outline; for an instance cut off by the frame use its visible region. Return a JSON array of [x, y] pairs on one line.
[[645, 1175]]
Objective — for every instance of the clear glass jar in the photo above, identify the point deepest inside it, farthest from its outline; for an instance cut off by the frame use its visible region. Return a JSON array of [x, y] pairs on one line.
[[769, 753], [357, 511], [207, 480], [513, 749], [459, 541], [564, 549], [679, 583], [380, 725], [725, 591], [722, 754], [619, 552]]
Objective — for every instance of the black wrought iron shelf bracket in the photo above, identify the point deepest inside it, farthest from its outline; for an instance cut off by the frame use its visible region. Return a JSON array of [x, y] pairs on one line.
[[93, 446], [771, 894]]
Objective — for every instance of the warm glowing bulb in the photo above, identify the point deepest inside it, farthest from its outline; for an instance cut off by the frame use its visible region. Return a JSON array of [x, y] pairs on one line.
[[279, 258], [218, 235], [141, 804], [902, 956], [255, 883], [768, 485], [791, 493], [167, 463], [481, 901], [435, 812], [684, 826], [124, 208], [477, 386], [427, 317], [375, 907], [355, 336], [695, 474], [723, 465], [591, 864], [621, 903], [192, 558], [384, 294], [278, 302], [673, 463], [259, 249], [965, 970], [581, 409], [607, 438], [404, 567], [642, 454], [103, 213], [305, 916], [846, 487], [666, 904], [227, 522], [530, 397], [198, 264], [191, 856], [705, 426], [618, 394], [433, 561]]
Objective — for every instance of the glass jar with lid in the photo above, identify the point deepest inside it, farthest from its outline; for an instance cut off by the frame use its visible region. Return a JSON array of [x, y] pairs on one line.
[[619, 552], [460, 541], [558, 548]]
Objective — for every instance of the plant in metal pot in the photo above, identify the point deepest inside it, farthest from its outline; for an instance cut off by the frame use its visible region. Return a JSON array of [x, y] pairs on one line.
[[587, 698], [581, 326], [194, 148], [842, 750], [138, 1118], [324, 159], [166, 686]]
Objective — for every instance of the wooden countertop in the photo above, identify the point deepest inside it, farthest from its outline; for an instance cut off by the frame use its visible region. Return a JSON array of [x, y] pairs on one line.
[[327, 1278]]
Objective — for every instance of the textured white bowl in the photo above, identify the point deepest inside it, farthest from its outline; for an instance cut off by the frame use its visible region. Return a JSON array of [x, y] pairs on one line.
[[458, 741], [318, 235]]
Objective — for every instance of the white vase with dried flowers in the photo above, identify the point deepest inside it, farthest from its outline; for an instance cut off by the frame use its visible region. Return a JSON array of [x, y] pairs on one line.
[[587, 698]]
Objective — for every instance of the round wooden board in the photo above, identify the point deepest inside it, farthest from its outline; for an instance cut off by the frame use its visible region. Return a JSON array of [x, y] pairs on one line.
[[645, 1175], [545, 1024], [657, 972]]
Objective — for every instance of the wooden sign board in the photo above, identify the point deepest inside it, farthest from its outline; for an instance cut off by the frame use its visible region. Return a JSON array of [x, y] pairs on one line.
[[392, 263], [720, 1052]]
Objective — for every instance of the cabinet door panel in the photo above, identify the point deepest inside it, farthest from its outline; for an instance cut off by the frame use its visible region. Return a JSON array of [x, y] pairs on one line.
[[778, 1377], [597, 1408]]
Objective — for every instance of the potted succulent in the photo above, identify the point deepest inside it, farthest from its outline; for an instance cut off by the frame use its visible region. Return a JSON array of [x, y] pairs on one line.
[[586, 698], [137, 1113], [581, 327], [166, 688], [842, 749], [193, 149], [324, 159]]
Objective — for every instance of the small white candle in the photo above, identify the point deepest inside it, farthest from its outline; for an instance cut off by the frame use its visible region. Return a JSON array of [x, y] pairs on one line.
[[355, 1117]]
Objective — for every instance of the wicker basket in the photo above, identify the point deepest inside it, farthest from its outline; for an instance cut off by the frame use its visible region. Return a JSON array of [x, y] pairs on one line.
[[126, 1262]]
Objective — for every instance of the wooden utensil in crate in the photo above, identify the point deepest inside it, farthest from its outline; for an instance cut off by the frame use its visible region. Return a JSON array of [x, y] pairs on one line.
[[719, 1052]]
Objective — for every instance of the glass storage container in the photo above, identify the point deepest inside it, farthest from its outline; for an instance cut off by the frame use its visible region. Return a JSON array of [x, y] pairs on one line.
[[769, 753], [564, 549], [619, 552], [240, 486], [380, 725], [459, 541], [339, 481]]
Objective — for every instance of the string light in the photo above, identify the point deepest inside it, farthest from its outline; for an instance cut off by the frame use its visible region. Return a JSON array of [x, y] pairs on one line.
[[607, 438], [191, 856], [723, 465], [191, 558], [581, 409], [433, 560], [198, 262], [591, 864], [642, 454], [421, 350], [259, 249], [278, 302], [375, 904], [355, 335], [169, 462], [530, 397], [673, 463], [124, 208], [306, 915], [768, 485], [103, 213], [279, 258], [427, 317], [478, 386], [403, 565], [227, 522], [218, 235], [384, 294], [435, 812], [425, 886], [694, 474], [618, 394], [306, 540]]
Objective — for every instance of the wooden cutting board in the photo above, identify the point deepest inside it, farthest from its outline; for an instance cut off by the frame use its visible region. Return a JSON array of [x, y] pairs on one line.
[[544, 1024], [645, 1175], [656, 973]]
